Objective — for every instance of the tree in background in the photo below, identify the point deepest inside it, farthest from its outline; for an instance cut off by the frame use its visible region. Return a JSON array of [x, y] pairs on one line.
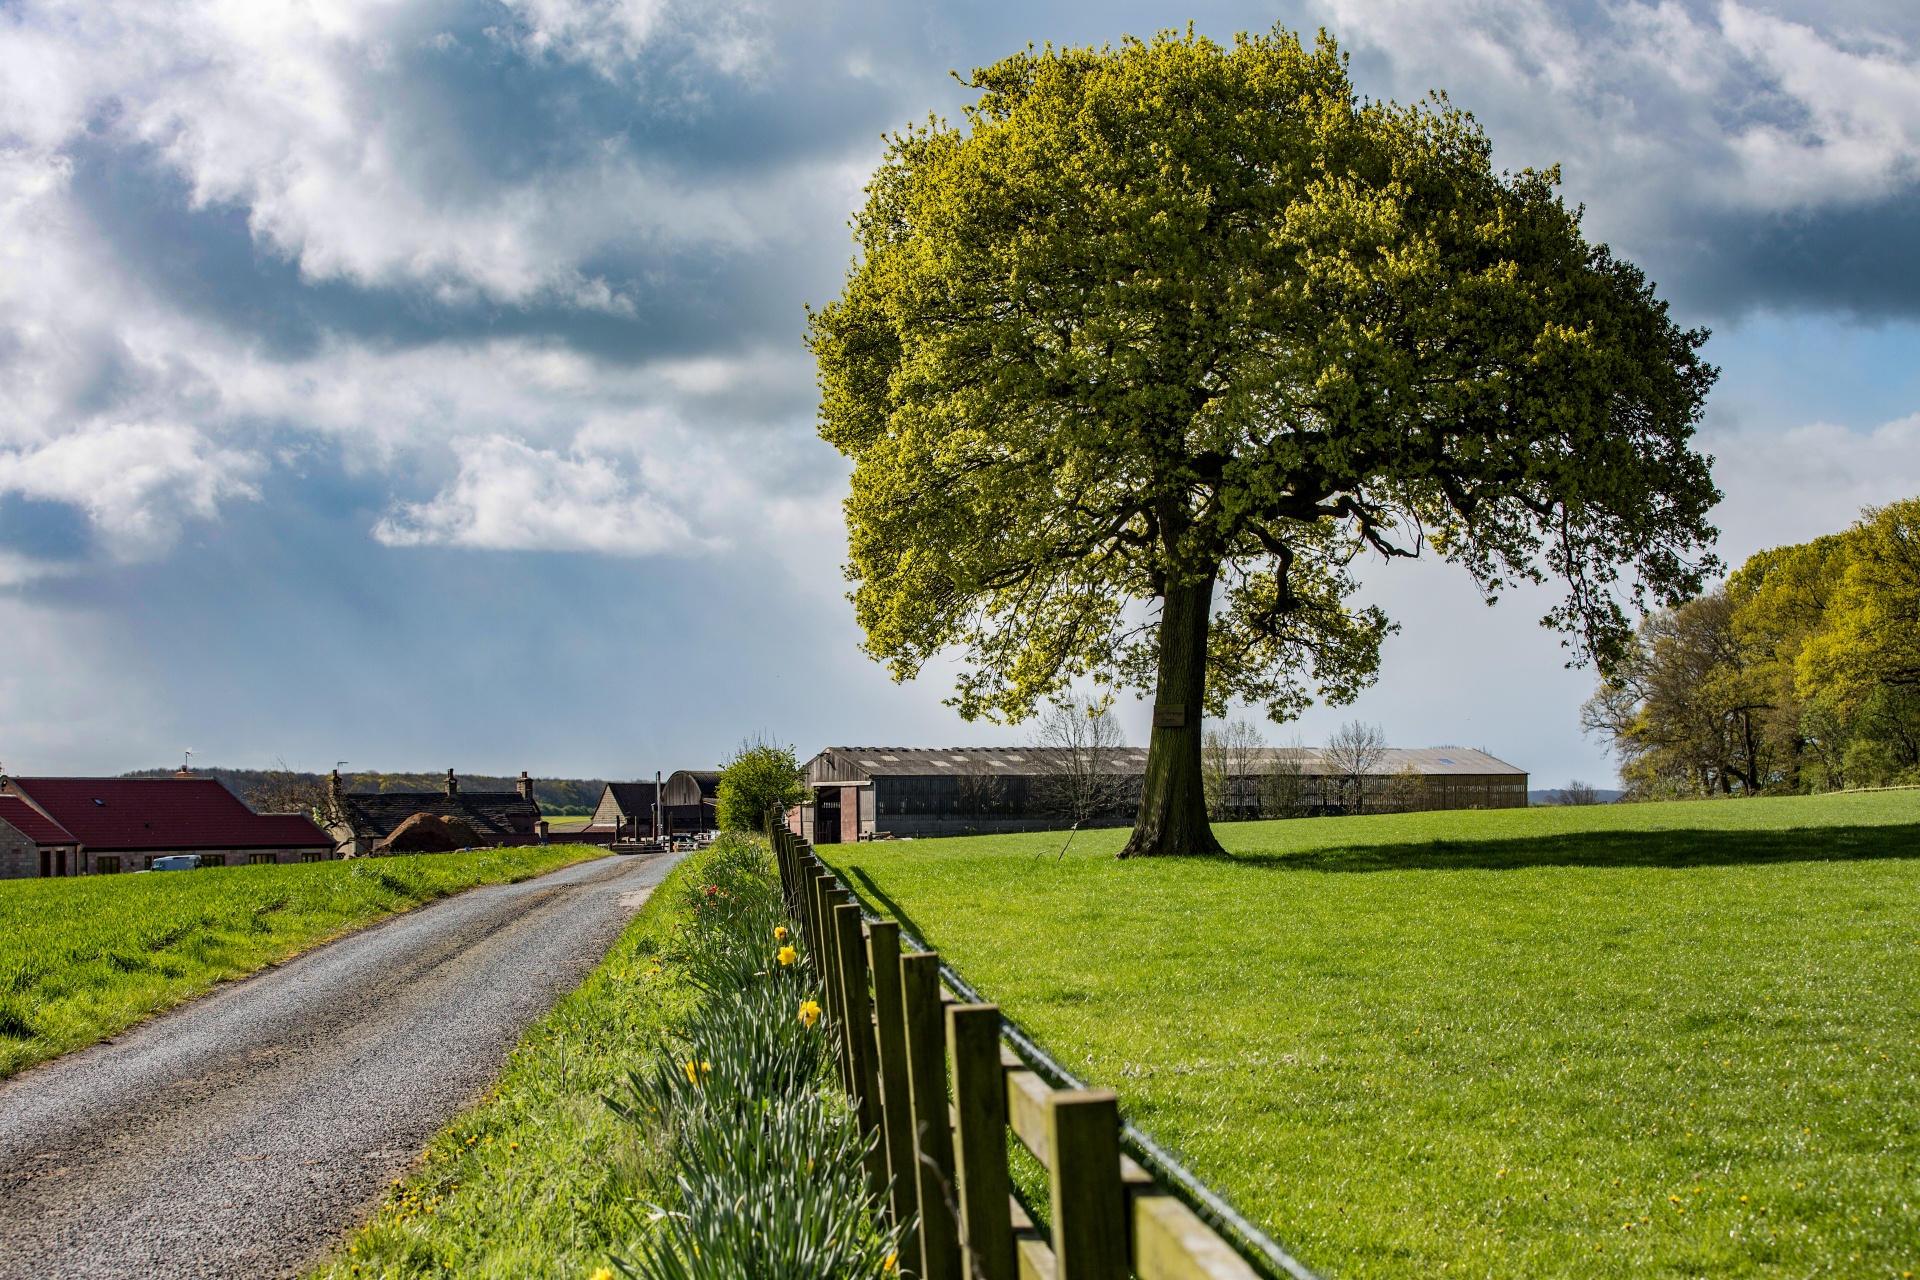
[[1283, 787], [1802, 673], [757, 779], [1350, 757], [1078, 769], [285, 790], [1230, 770], [1136, 363], [1578, 793], [1689, 707]]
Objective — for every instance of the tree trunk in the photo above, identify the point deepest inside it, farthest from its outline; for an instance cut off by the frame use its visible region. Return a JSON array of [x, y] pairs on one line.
[[1173, 801]]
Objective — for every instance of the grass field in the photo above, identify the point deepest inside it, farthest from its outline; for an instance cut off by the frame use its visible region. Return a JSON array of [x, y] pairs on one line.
[[1670, 1040], [84, 958]]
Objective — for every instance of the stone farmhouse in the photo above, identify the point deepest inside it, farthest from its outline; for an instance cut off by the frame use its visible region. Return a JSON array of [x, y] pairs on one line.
[[99, 826], [368, 824], [866, 793]]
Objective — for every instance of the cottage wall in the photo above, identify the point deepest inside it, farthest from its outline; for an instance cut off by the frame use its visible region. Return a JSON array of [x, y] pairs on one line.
[[19, 856]]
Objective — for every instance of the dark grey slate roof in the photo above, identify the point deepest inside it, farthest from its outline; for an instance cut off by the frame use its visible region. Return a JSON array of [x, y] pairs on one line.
[[494, 814], [632, 797]]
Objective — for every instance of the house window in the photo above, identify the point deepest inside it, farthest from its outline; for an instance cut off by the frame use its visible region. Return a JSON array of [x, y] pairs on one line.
[[313, 855], [213, 859], [149, 862], [106, 866], [261, 859]]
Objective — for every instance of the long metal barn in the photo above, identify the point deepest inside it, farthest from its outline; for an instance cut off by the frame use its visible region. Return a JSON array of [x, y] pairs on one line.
[[869, 793]]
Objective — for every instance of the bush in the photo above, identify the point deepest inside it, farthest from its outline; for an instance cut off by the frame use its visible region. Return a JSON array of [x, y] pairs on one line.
[[760, 777]]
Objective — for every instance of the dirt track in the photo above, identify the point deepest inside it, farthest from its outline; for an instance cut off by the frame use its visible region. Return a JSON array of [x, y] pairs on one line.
[[241, 1134]]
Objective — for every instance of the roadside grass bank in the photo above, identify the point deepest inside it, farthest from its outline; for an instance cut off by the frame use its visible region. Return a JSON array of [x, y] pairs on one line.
[[1679, 1039], [675, 1116], [83, 959]]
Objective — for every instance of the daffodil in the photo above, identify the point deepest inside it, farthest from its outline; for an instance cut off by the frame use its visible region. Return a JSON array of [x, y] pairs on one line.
[[779, 933], [788, 955], [604, 1273], [892, 1263], [809, 1012], [696, 1071]]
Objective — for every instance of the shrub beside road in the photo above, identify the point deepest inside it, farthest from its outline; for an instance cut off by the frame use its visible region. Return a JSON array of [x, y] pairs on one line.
[[83, 959], [1573, 1042]]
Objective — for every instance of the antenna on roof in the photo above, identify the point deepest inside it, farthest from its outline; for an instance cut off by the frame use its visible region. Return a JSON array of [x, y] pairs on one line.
[[185, 771]]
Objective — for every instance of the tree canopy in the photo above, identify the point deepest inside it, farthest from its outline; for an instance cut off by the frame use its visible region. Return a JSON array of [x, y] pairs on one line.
[[759, 777], [1171, 317], [1800, 673]]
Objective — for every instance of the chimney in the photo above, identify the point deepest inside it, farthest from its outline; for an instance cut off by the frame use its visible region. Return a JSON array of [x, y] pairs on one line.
[[183, 772], [453, 784], [524, 786], [336, 789]]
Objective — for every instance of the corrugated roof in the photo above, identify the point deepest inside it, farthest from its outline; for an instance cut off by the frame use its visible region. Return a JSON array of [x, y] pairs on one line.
[[860, 764], [166, 813], [33, 824], [490, 813], [855, 764]]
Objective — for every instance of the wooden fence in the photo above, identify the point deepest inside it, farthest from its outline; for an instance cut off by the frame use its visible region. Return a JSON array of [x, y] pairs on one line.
[[942, 1162]]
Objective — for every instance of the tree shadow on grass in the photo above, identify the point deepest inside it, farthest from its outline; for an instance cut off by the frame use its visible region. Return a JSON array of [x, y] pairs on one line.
[[878, 900], [1680, 847]]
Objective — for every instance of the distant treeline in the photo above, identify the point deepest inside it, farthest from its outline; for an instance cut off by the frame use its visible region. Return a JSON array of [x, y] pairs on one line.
[[1800, 673], [285, 790]]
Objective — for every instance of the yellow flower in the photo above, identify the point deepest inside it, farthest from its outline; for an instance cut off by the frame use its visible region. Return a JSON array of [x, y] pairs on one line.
[[892, 1263], [809, 1012], [696, 1071], [788, 955], [604, 1273], [779, 933]]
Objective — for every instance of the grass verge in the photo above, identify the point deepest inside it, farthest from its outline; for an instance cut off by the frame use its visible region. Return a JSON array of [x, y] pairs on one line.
[[83, 959], [1668, 1039], [673, 1100]]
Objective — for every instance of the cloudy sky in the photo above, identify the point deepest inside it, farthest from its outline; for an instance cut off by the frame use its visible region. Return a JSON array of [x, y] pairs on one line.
[[419, 383]]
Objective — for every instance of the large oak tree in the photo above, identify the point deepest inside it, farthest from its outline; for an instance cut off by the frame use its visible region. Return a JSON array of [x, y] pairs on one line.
[[1136, 362]]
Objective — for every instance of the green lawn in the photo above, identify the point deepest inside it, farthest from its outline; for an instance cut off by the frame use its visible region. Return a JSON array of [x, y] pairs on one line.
[[1674, 1040], [84, 958]]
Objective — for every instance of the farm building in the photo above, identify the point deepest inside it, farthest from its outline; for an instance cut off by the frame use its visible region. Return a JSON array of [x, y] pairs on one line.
[[364, 824], [32, 844], [625, 811], [98, 826], [690, 802], [865, 793], [861, 793]]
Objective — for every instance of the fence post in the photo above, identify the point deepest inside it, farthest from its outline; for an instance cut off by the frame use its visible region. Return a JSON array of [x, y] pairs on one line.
[[980, 1141], [896, 1096], [827, 949], [932, 1130], [1089, 1212], [859, 1034]]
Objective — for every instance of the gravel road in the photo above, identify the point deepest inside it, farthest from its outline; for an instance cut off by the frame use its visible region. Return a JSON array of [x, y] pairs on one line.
[[242, 1133]]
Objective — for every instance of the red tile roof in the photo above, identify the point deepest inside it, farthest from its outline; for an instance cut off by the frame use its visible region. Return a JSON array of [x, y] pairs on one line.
[[33, 824], [166, 813]]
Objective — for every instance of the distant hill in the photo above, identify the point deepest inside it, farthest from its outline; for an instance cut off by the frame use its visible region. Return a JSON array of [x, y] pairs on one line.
[[1601, 794], [271, 788]]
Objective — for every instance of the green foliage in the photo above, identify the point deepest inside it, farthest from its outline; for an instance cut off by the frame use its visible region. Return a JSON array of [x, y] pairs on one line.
[[1174, 314], [759, 777], [1802, 673], [1489, 1041], [84, 958]]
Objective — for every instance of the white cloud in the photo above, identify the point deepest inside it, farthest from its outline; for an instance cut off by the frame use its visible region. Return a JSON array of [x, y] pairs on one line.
[[1656, 106], [510, 497], [1790, 486], [136, 482]]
